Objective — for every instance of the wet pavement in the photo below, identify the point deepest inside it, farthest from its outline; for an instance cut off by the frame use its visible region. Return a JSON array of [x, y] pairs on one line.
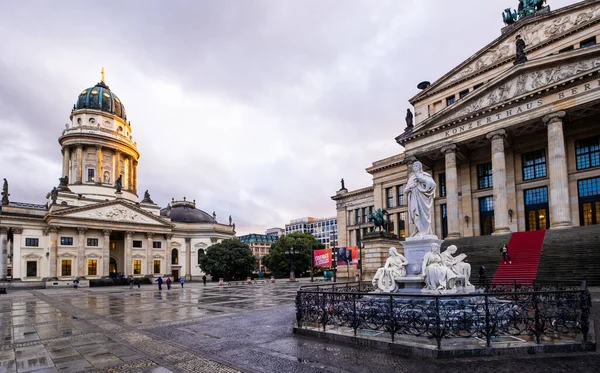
[[245, 328]]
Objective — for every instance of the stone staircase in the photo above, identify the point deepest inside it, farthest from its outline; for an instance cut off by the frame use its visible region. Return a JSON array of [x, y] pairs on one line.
[[524, 250], [571, 254], [480, 250]]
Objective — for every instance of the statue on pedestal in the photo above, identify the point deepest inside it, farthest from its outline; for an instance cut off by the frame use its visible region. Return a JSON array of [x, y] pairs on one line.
[[5, 194], [457, 263], [409, 119], [520, 45], [437, 275], [420, 190], [147, 198], [119, 183], [394, 269], [53, 195], [379, 220]]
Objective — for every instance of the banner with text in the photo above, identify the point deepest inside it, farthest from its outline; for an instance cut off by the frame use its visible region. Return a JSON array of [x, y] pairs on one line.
[[323, 258], [347, 255]]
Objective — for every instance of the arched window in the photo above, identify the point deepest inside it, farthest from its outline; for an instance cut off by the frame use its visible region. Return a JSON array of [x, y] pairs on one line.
[[175, 257], [200, 255]]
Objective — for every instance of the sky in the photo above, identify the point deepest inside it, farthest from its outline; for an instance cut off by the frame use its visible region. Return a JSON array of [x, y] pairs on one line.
[[253, 108]]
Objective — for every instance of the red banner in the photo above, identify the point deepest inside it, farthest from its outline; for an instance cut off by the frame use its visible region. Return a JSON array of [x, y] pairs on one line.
[[347, 255], [322, 258]]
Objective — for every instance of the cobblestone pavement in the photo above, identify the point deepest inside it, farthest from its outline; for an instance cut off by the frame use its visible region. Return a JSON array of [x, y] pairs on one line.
[[204, 329]]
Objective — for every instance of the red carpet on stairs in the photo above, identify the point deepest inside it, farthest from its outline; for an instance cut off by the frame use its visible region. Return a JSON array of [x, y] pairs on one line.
[[525, 249]]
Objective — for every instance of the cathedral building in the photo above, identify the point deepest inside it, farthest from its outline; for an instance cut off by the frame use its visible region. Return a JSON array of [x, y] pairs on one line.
[[509, 134], [93, 223]]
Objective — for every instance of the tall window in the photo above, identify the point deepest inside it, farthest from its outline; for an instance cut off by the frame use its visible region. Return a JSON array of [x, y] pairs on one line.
[[137, 267], [200, 255], [66, 241], [484, 176], [442, 187], [92, 267], [536, 209], [486, 215], [444, 211], [401, 225], [588, 152], [174, 256], [32, 268], [365, 215], [400, 195], [589, 201], [389, 192], [357, 216], [534, 164], [157, 266], [91, 174], [66, 268], [391, 225]]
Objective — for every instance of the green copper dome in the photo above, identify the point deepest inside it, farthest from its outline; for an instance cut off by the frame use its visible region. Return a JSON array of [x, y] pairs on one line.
[[100, 97]]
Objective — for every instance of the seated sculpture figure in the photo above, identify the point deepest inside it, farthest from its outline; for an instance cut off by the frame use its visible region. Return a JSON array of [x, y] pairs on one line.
[[394, 268], [457, 263], [437, 275]]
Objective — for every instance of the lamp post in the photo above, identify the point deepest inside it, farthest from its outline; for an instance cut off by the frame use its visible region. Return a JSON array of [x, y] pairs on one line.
[[312, 265], [292, 252], [334, 259]]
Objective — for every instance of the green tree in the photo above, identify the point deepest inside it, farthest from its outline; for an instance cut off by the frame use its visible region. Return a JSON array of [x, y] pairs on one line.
[[230, 259], [279, 262]]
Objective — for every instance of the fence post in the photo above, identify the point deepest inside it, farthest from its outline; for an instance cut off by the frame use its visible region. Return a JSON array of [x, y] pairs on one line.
[[392, 318], [586, 303], [324, 309], [488, 327], [355, 316], [438, 323], [537, 326]]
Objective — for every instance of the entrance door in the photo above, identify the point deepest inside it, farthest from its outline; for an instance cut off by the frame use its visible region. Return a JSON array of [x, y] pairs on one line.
[[175, 273], [536, 209], [589, 201], [486, 215], [112, 266]]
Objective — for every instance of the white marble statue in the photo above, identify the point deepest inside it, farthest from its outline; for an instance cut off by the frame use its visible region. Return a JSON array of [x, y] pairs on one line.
[[420, 190], [457, 263], [437, 275], [394, 268]]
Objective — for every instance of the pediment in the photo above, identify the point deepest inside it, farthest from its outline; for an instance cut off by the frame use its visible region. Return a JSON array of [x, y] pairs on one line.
[[158, 256], [32, 257], [527, 82], [536, 32], [114, 211], [93, 256], [200, 245], [138, 256]]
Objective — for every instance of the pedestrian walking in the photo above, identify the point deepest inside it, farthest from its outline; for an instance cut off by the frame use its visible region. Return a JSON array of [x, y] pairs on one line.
[[168, 282], [481, 274], [75, 284], [130, 282], [138, 282], [182, 281], [505, 255], [204, 280], [159, 280]]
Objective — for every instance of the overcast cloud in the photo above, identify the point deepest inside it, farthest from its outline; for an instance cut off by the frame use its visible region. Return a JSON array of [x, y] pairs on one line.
[[256, 109]]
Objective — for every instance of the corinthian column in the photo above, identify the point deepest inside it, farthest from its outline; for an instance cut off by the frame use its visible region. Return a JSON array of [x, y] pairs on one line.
[[3, 251], [53, 231], [168, 254], [106, 253], [499, 181], [79, 167], [66, 159], [560, 215], [452, 191], [98, 164], [188, 259], [149, 263], [81, 251], [128, 270]]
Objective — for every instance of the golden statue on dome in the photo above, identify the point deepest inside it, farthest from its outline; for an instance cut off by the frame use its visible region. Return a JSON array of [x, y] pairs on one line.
[[102, 75]]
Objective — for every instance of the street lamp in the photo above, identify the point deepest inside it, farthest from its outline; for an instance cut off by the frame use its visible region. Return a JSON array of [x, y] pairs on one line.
[[292, 252], [334, 259]]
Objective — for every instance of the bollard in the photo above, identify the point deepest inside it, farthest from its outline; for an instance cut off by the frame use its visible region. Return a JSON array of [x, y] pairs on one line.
[[272, 279], [221, 283]]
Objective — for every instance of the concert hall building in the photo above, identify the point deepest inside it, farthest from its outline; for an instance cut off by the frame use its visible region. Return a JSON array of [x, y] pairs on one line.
[[512, 146]]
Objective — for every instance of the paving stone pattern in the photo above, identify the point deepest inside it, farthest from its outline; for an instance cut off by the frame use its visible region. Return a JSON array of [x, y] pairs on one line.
[[203, 329]]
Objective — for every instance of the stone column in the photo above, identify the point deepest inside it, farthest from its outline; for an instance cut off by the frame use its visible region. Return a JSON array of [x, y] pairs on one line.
[[16, 253], [53, 257], [79, 166], [114, 167], [134, 170], [117, 166], [130, 175], [168, 254], [128, 270], [3, 252], [499, 182], [98, 164], [560, 216], [106, 253], [66, 159], [149, 262], [188, 259], [81, 251], [452, 191]]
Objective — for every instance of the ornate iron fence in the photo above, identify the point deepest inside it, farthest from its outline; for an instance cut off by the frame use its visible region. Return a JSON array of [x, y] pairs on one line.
[[485, 315]]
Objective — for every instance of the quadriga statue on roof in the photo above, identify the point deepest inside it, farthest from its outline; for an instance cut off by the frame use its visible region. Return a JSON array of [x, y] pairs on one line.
[[420, 190]]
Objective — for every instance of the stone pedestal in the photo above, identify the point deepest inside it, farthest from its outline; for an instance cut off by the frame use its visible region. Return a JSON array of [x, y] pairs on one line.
[[415, 249], [376, 251]]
